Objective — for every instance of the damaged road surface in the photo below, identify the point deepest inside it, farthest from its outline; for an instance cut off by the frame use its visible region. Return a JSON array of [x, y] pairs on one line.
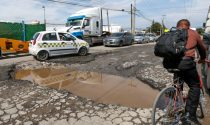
[[110, 88], [99, 87]]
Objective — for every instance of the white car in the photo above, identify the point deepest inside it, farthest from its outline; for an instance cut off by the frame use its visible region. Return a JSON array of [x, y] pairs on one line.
[[46, 44]]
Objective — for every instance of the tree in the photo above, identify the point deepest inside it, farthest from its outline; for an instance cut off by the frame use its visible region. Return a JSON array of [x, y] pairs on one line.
[[200, 30], [156, 27]]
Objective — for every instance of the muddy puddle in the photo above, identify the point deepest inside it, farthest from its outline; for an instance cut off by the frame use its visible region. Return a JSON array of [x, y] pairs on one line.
[[102, 88]]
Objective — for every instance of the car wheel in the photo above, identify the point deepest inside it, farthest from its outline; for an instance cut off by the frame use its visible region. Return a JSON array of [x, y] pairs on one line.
[[42, 55], [83, 51], [121, 44], [132, 42]]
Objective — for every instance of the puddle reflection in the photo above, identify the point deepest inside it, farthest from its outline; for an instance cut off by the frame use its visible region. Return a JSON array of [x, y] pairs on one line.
[[103, 88]]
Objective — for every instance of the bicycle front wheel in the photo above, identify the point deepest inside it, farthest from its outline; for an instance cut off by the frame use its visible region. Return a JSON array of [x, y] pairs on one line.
[[167, 107]]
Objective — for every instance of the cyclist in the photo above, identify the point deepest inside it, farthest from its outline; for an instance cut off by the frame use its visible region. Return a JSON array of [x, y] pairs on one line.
[[189, 73]]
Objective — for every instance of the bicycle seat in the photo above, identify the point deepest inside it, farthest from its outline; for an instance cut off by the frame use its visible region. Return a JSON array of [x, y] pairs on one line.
[[173, 70]]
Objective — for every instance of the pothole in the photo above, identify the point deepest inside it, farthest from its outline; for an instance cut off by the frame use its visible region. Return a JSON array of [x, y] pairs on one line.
[[102, 88]]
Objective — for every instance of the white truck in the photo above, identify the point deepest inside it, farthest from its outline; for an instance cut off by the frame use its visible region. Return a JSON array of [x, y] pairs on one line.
[[206, 38], [87, 24], [207, 25]]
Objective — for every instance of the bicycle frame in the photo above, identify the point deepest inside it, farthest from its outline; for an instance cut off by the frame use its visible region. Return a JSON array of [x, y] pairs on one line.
[[179, 90], [172, 101]]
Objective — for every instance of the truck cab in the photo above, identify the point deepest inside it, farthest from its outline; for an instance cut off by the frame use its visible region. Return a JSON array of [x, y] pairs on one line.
[[207, 27], [86, 22]]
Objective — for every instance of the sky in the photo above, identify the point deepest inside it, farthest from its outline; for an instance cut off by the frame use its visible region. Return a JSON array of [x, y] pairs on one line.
[[57, 13]]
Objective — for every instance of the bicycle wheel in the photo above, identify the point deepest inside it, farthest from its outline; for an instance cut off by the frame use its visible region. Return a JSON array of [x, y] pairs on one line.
[[167, 108]]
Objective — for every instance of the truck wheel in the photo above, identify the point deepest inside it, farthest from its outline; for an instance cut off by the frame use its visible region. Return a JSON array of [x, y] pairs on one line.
[[91, 42], [42, 55], [83, 51]]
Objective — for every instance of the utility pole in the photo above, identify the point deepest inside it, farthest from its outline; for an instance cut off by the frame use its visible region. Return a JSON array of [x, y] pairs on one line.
[[107, 12], [131, 18], [134, 16], [163, 23], [44, 15], [101, 21]]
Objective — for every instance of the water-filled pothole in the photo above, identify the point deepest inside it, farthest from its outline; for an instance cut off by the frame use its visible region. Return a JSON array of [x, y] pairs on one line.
[[102, 88]]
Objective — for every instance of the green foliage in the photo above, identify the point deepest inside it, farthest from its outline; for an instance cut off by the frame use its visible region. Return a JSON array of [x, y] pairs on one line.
[[15, 30], [11, 30], [156, 27], [200, 30]]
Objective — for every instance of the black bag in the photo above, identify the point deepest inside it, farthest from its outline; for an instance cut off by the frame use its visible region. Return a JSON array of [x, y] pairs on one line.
[[171, 45]]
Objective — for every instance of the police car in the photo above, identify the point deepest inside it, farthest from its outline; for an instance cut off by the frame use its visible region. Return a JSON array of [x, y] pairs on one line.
[[53, 43]]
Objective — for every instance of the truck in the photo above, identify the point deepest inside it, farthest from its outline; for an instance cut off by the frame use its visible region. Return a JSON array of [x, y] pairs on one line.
[[206, 38], [207, 25], [87, 24]]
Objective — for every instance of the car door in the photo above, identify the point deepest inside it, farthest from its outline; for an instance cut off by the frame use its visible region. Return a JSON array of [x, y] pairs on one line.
[[67, 43], [125, 38], [49, 41], [128, 38]]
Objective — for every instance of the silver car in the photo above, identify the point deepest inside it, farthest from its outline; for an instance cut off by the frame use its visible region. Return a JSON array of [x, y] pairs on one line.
[[152, 37], [119, 39], [140, 38]]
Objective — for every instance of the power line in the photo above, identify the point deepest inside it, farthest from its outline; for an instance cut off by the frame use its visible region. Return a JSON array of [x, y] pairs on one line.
[[140, 14], [163, 8], [77, 4], [116, 9], [70, 3]]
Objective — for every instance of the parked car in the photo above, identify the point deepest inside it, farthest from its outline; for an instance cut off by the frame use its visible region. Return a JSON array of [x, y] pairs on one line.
[[53, 43], [146, 38], [139, 38], [119, 39], [152, 37]]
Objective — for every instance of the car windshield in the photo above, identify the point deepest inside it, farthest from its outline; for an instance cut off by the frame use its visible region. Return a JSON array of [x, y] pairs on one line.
[[74, 22], [35, 36], [116, 34], [139, 35]]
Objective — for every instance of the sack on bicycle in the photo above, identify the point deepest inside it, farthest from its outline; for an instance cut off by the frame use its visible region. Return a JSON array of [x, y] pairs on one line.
[[171, 46]]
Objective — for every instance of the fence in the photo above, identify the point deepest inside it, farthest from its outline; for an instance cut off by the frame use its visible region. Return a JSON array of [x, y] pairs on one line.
[[19, 31]]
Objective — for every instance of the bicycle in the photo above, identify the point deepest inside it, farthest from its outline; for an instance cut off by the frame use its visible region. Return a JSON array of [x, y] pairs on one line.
[[169, 105]]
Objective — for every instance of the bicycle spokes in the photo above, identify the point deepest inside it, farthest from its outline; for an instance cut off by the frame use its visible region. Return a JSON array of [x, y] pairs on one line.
[[169, 107]]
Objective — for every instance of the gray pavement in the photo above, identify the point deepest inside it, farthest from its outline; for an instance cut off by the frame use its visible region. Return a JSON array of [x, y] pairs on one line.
[[26, 103]]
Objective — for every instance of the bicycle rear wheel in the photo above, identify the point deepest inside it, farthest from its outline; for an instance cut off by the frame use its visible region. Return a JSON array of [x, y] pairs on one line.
[[167, 108]]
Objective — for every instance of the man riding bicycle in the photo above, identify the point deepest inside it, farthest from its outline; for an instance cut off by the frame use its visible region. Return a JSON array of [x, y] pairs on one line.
[[188, 71]]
